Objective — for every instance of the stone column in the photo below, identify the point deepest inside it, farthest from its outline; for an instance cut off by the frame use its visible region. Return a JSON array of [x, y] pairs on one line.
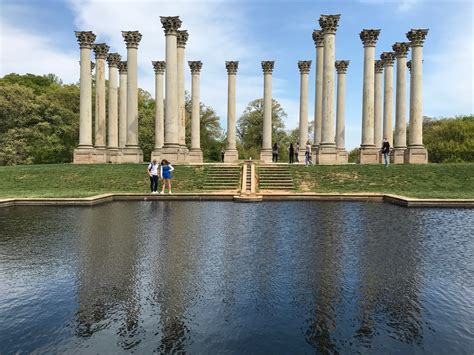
[[266, 152], [84, 153], [368, 153], [378, 104], [159, 67], [400, 140], [170, 150], [195, 154], [327, 152], [304, 66], [113, 59], [100, 51], [123, 104], [416, 152], [132, 152], [341, 67], [182, 38], [318, 39], [231, 153], [388, 58]]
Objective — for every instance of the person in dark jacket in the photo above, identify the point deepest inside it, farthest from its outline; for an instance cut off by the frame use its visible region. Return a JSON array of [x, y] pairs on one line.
[[386, 151], [291, 152], [275, 153]]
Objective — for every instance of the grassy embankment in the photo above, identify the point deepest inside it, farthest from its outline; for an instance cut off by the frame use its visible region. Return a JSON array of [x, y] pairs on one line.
[[67, 180]]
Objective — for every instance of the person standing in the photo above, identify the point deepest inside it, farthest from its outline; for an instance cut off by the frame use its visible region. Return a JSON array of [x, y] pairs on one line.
[[165, 172], [297, 149], [291, 152], [275, 153], [386, 151], [222, 155], [153, 174], [307, 154]]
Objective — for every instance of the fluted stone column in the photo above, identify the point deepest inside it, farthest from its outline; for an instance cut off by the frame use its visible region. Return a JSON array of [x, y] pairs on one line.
[[378, 106], [388, 58], [84, 153], [400, 140], [182, 38], [368, 153], [416, 152], [327, 152], [159, 67], [341, 68], [113, 59], [122, 104], [195, 154], [266, 152], [318, 39], [170, 150], [304, 66], [231, 153], [132, 152], [100, 50]]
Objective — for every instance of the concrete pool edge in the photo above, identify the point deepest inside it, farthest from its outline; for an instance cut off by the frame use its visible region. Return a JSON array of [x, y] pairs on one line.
[[234, 196]]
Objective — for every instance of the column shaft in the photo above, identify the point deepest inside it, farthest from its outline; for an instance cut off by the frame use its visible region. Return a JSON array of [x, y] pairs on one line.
[[416, 98], [401, 105], [159, 113], [171, 104], [303, 137], [340, 111], [85, 108], [378, 106], [196, 111], [318, 101], [267, 111], [181, 97], [113, 109], [388, 104], [132, 98], [100, 103], [327, 137], [231, 113], [368, 98], [123, 110]]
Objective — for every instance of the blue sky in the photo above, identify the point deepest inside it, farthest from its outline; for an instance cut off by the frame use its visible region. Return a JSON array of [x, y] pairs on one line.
[[38, 37]]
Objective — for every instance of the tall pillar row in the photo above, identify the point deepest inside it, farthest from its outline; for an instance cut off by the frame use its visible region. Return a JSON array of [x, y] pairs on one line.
[[182, 38], [318, 39], [388, 59], [84, 153], [100, 51], [159, 67], [122, 68], [304, 66], [378, 106], [231, 154], [195, 154], [368, 153], [341, 68], [113, 60], [266, 152]]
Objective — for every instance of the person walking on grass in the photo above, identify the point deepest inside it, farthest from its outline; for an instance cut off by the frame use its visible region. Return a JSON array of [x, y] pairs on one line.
[[165, 172], [275, 153], [307, 154], [297, 151], [291, 152], [153, 174], [386, 152]]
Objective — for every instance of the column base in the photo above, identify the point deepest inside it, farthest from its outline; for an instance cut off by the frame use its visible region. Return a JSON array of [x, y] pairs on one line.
[[156, 154], [266, 156], [113, 155], [131, 154], [369, 155], [342, 156], [100, 155], [327, 155], [183, 154], [171, 153], [84, 155], [416, 155], [398, 155], [231, 156], [314, 153], [195, 156]]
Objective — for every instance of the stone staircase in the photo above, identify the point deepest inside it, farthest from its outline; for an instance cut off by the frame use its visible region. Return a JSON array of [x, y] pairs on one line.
[[222, 178], [275, 177]]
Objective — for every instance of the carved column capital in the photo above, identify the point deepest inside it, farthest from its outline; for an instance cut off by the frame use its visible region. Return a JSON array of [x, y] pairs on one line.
[[85, 38], [304, 66], [113, 59], [195, 66], [409, 65], [232, 66], [100, 50], [417, 37], [401, 49], [341, 66], [318, 38], [132, 38], [329, 23], [378, 66], [159, 66], [267, 66], [182, 38], [369, 37], [388, 58], [170, 24], [122, 67]]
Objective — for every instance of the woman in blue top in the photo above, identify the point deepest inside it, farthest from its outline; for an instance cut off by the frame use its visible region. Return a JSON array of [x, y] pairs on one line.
[[165, 173]]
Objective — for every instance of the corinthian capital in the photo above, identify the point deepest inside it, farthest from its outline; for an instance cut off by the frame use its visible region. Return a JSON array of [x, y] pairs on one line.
[[182, 38], [100, 50], [159, 66], [417, 37], [341, 66], [122, 67], [195, 66], [232, 66], [170, 24], [318, 38], [369, 37], [378, 66], [132, 38], [387, 58], [401, 49], [409, 65], [329, 23], [304, 66], [113, 59], [85, 38], [267, 66]]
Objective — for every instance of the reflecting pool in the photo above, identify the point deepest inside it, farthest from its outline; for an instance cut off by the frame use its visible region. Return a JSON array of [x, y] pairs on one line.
[[224, 277]]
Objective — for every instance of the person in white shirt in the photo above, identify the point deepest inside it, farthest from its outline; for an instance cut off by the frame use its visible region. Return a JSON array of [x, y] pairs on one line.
[[153, 173]]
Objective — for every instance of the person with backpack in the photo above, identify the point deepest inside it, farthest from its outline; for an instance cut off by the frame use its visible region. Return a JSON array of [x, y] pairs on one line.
[[386, 152], [165, 172], [153, 174]]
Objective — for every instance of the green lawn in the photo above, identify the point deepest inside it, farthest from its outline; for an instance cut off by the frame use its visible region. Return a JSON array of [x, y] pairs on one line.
[[423, 181]]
